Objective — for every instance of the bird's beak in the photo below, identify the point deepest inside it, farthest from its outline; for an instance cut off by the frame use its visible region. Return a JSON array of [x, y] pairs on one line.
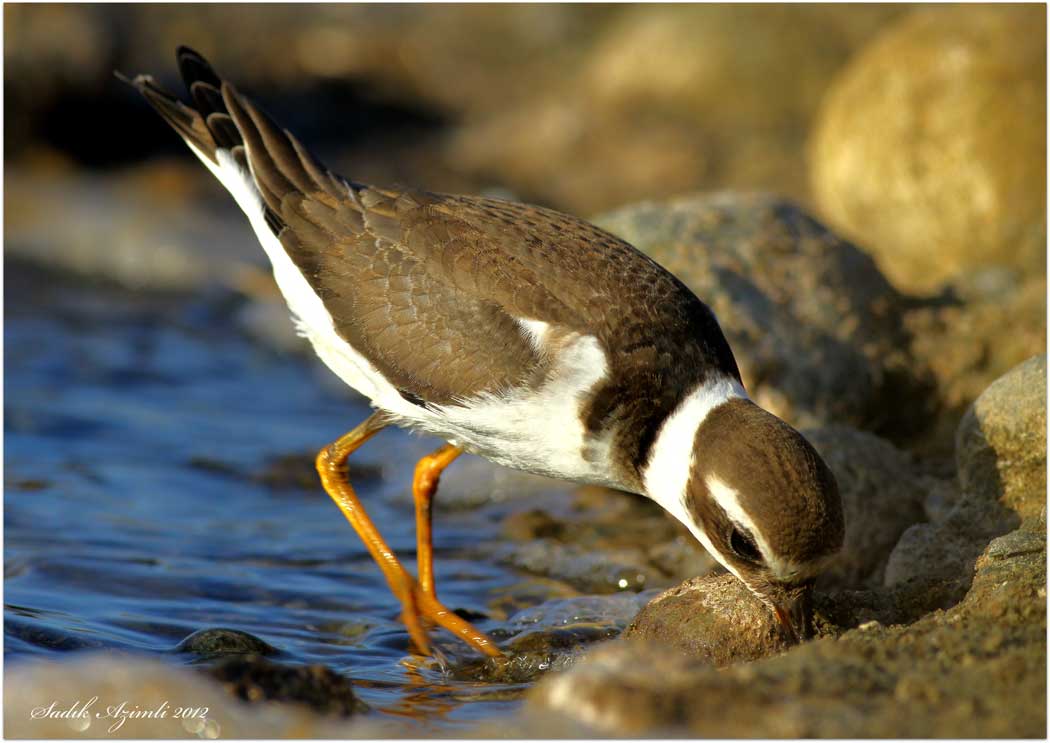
[[794, 611]]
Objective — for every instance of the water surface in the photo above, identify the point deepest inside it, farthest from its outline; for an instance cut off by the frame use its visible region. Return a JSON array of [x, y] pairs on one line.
[[138, 432]]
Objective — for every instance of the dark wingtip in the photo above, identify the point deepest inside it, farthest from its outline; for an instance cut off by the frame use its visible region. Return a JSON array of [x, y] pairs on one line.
[[194, 67]]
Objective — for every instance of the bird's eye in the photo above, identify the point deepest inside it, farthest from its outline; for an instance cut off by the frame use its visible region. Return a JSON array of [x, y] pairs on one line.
[[744, 546]]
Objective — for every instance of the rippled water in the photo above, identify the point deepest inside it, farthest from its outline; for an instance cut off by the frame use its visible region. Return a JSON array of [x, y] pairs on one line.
[[136, 428]]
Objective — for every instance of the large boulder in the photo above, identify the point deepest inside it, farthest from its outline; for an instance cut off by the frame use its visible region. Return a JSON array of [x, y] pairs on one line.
[[1001, 442], [816, 328], [931, 146], [1001, 463], [662, 102]]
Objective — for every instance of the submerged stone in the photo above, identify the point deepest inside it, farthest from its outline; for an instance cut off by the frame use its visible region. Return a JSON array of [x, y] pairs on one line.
[[219, 641], [253, 678]]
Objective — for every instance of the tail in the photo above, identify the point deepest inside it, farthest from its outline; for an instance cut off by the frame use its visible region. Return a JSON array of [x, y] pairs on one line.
[[259, 163]]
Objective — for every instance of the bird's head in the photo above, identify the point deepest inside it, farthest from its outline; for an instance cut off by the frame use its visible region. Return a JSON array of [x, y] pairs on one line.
[[756, 495]]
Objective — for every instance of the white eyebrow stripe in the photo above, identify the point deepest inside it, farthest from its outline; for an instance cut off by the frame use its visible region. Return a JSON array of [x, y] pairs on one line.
[[728, 498]]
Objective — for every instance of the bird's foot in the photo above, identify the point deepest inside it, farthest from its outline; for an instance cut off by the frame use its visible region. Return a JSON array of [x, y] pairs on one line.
[[419, 606]]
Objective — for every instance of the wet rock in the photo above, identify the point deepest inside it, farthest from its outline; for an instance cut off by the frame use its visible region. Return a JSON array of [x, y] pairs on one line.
[[1001, 442], [601, 541], [977, 669], [983, 326], [551, 636], [714, 619], [931, 145], [816, 328], [529, 655], [882, 495], [253, 678], [220, 641]]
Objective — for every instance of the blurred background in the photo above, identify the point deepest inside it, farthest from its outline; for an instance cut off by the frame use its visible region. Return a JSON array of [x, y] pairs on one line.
[[581, 107], [917, 132], [858, 190]]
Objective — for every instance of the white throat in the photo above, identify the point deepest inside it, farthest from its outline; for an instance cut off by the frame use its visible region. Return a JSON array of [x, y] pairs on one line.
[[666, 477]]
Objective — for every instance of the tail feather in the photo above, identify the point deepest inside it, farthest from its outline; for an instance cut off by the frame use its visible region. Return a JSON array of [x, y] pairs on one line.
[[251, 123], [221, 119], [183, 119]]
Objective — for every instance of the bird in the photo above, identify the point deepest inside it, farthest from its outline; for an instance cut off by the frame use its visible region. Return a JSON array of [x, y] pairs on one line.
[[521, 334]]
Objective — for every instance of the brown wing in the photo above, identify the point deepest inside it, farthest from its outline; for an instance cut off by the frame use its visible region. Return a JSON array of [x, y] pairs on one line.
[[428, 287]]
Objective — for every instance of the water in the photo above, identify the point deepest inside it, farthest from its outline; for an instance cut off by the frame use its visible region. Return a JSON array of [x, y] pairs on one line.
[[136, 430]]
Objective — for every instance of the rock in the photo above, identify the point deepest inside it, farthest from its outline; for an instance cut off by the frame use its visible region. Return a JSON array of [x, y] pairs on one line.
[[588, 571], [930, 147], [882, 495], [549, 637], [1001, 442], [960, 337], [147, 685], [598, 540], [713, 619], [661, 102], [253, 678], [947, 550], [1006, 586], [977, 669], [1001, 459], [816, 328], [221, 641], [135, 229], [626, 687]]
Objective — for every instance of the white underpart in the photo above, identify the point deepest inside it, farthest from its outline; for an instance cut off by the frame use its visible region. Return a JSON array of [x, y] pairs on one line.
[[666, 478], [308, 311], [538, 430]]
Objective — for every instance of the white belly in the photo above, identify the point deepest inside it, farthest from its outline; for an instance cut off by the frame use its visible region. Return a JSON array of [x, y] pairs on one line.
[[537, 430]]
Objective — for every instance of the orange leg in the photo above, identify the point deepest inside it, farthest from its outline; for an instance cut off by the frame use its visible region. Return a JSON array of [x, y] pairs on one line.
[[415, 603], [424, 487]]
